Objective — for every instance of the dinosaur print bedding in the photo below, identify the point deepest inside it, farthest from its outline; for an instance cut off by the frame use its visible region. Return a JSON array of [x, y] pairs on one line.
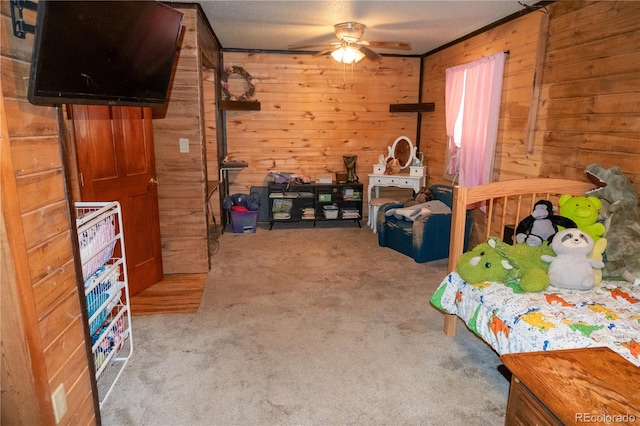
[[510, 320]]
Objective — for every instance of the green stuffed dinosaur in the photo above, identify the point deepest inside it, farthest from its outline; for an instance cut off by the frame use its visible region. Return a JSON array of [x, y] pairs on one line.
[[495, 261]]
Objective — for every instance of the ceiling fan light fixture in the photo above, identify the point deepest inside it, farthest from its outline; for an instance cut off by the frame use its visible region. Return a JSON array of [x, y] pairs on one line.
[[347, 54], [349, 31]]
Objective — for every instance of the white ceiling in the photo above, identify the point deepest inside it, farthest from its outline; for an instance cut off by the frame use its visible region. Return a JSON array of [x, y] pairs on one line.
[[276, 25]]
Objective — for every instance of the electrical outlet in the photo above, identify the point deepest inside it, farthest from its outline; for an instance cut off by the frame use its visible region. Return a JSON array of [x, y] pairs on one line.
[[184, 145], [59, 400]]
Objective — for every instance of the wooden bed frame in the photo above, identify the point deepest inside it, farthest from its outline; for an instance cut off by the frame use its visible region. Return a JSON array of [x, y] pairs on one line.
[[506, 204]]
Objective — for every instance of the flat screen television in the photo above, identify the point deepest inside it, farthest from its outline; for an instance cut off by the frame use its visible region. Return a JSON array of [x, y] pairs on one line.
[[103, 52]]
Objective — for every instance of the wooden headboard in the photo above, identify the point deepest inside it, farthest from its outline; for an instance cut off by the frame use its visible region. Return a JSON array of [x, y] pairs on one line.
[[506, 203], [503, 203]]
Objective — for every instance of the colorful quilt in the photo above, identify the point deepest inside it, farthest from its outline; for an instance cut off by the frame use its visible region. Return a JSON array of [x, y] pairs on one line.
[[510, 320]]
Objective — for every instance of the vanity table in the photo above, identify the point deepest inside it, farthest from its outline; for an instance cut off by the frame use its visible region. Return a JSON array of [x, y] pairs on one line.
[[399, 181], [404, 152]]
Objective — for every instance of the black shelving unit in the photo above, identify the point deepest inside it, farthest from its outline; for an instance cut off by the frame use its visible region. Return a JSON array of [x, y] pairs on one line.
[[306, 202]]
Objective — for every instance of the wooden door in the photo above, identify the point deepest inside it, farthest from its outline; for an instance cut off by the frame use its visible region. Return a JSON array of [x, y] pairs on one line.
[[116, 162]]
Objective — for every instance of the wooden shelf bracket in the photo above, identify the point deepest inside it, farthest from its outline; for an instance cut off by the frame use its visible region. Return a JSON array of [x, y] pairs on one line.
[[418, 107], [239, 105]]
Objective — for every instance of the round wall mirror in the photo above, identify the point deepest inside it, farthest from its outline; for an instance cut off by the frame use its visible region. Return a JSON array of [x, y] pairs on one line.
[[403, 151]]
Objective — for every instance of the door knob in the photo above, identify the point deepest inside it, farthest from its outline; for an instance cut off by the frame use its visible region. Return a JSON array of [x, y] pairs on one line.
[[153, 181]]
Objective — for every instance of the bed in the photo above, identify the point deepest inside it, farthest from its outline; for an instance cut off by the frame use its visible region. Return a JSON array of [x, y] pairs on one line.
[[511, 321]]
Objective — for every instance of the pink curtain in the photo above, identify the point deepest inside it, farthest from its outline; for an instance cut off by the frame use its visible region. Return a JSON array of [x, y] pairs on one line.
[[483, 89], [454, 89]]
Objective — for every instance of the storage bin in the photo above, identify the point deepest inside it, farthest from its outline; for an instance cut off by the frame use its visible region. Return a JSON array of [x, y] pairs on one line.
[[244, 222], [99, 295], [324, 178], [330, 212], [91, 239]]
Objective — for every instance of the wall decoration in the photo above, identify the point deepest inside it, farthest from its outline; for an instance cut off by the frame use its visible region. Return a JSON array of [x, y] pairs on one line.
[[249, 86]]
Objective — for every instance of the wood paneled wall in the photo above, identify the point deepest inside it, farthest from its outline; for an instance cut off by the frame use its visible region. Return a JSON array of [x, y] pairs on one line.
[[43, 331], [183, 176], [211, 136], [520, 38], [314, 111], [585, 107], [590, 109]]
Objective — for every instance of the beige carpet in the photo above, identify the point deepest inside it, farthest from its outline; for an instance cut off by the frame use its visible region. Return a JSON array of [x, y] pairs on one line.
[[309, 326]]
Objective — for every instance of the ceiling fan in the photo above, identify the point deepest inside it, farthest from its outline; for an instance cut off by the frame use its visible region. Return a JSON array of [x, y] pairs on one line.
[[351, 48]]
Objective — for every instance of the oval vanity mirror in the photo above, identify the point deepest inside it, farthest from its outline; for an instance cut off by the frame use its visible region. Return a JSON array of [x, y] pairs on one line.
[[403, 151]]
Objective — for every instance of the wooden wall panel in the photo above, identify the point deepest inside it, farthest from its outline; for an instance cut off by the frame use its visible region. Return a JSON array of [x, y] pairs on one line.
[[43, 285], [589, 89], [49, 291], [44, 223], [41, 189], [587, 58], [48, 159], [18, 397], [68, 356], [520, 38], [50, 255], [591, 86], [211, 137], [183, 176], [314, 111]]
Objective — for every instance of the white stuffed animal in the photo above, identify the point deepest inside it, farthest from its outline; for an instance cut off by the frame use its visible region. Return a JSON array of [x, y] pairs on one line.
[[572, 268]]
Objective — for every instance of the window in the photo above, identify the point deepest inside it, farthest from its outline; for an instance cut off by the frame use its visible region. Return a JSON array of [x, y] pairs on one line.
[[472, 104]]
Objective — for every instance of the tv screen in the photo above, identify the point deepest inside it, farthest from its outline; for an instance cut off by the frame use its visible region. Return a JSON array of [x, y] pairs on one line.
[[103, 52]]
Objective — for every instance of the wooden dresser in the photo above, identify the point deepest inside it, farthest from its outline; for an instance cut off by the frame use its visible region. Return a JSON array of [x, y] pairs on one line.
[[571, 387]]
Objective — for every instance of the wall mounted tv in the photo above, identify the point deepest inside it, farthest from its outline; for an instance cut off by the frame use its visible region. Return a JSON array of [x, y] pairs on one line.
[[103, 52]]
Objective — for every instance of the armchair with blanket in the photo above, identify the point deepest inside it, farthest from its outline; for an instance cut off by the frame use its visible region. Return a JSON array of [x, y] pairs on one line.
[[420, 231]]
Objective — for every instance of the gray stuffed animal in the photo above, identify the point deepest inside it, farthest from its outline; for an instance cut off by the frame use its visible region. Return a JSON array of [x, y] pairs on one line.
[[622, 227], [571, 268]]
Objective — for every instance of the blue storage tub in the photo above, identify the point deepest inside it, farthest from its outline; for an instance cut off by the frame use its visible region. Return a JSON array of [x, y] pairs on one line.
[[244, 222]]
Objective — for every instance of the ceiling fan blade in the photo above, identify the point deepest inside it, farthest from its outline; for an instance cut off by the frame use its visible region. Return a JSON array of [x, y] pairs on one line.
[[370, 54], [324, 52], [309, 46], [396, 45]]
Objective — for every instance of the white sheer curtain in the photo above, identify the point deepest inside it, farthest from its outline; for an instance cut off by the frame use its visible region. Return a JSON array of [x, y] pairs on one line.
[[473, 94]]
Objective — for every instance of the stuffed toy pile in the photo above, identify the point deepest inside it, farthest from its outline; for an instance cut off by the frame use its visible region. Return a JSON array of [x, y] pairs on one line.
[[621, 221], [495, 261], [566, 250]]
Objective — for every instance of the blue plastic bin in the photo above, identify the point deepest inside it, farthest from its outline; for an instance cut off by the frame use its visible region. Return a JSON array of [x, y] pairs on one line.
[[244, 222]]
